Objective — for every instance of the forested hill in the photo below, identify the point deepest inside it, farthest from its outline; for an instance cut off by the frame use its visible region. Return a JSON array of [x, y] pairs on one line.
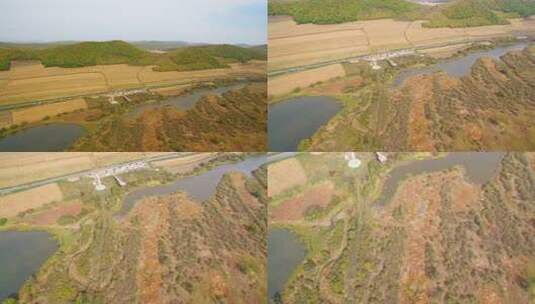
[[116, 52], [457, 13]]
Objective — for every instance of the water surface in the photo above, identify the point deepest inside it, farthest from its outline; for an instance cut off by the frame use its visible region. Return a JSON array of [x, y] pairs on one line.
[[199, 187], [285, 253], [188, 100], [21, 255], [298, 118], [480, 167], [53, 137], [458, 66]]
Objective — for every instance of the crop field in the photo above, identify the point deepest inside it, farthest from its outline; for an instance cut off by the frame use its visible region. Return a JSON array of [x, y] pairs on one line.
[[292, 44], [284, 175], [19, 168], [13, 204], [28, 81], [38, 113], [284, 84]]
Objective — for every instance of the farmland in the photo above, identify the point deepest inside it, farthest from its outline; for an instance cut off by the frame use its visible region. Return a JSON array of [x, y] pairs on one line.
[[447, 229], [292, 44]]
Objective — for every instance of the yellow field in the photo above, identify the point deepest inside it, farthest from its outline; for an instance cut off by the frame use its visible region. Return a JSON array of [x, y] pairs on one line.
[[28, 81], [284, 175], [13, 204], [20, 168], [37, 113], [286, 83], [293, 45]]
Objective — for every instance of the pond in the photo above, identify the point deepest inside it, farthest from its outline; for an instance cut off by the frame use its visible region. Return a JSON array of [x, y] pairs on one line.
[[285, 253], [21, 255], [53, 137], [298, 118]]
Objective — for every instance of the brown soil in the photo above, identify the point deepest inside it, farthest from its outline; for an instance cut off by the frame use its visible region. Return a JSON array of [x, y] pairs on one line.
[[295, 208]]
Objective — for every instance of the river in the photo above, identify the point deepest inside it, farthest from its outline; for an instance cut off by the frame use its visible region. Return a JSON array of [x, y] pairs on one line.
[[187, 101], [199, 187], [458, 66]]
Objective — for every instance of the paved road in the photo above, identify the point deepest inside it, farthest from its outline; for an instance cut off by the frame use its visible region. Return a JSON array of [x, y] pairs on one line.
[[50, 180]]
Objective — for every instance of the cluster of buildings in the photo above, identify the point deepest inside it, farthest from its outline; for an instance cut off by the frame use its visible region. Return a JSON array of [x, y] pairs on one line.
[[123, 93], [115, 171], [387, 56], [354, 162]]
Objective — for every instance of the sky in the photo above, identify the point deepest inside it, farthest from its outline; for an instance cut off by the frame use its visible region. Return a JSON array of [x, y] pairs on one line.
[[208, 21]]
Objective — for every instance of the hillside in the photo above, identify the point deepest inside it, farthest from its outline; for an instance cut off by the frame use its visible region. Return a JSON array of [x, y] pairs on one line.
[[235, 121], [120, 52], [458, 13], [487, 109], [167, 249], [435, 236]]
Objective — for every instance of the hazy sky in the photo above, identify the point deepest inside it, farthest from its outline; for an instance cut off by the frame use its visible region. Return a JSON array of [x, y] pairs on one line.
[[212, 21]]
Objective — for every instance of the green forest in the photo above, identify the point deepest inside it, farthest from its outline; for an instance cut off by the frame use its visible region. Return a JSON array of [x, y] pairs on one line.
[[458, 13], [120, 52]]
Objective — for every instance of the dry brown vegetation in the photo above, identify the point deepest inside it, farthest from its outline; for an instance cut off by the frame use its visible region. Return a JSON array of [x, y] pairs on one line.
[[13, 204], [293, 45], [234, 121], [318, 196], [52, 215]]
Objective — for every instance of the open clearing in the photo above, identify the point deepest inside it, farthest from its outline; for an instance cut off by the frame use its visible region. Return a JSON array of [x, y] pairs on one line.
[[286, 83], [18, 168], [13, 204], [51, 216], [285, 175], [37, 113], [318, 196], [29, 81], [292, 45]]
